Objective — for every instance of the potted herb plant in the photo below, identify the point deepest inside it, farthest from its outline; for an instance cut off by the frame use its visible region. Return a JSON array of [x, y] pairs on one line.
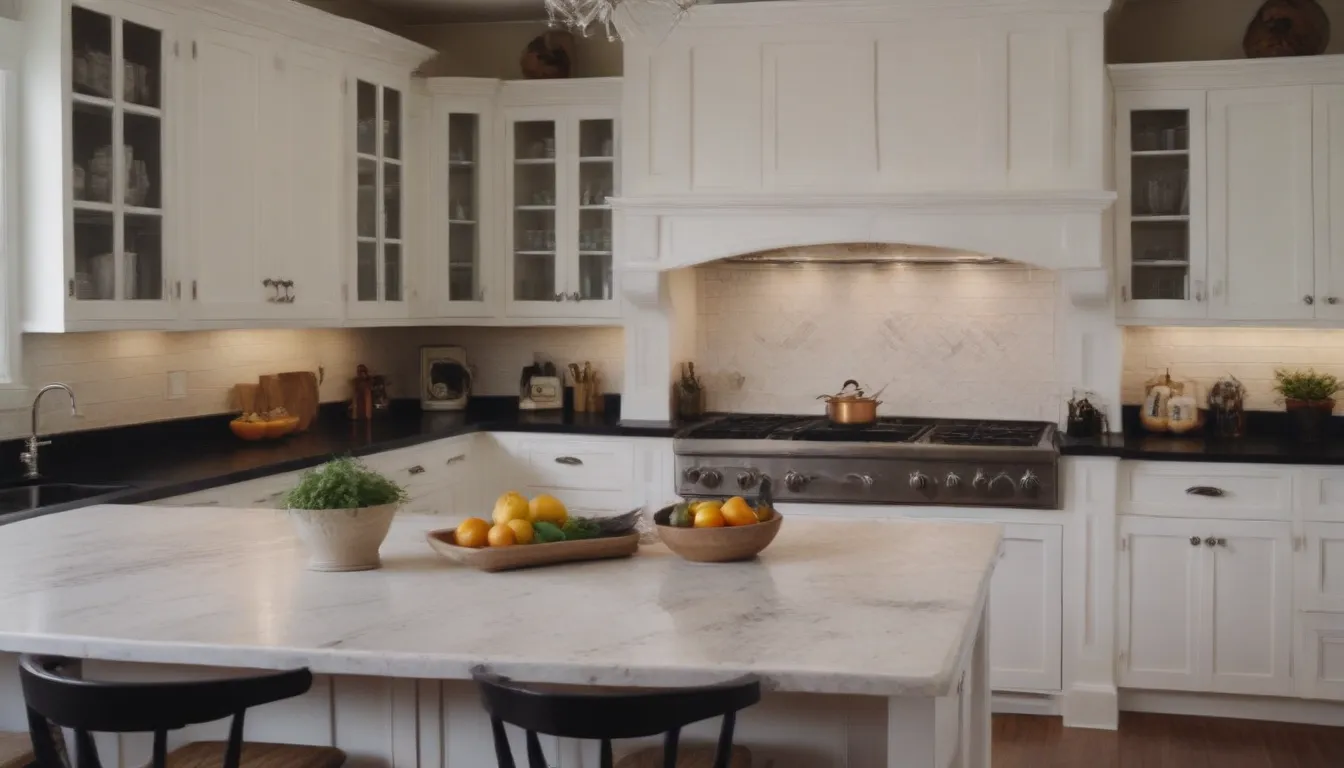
[[1310, 399], [342, 511]]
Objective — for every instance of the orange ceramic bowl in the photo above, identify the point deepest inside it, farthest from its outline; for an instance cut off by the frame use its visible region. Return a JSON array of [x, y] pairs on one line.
[[248, 430], [282, 426]]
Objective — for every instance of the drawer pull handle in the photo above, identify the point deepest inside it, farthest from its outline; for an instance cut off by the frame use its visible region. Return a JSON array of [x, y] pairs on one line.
[[569, 461], [416, 470], [1205, 490], [455, 459]]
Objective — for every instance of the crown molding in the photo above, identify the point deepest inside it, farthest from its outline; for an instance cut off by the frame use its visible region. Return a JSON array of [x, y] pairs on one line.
[[463, 86], [561, 92], [1232, 73], [1013, 201]]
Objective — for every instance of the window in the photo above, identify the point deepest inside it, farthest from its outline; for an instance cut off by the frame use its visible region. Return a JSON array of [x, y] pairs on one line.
[[11, 48]]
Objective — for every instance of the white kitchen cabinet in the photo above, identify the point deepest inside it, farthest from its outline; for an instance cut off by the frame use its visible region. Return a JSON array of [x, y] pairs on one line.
[[1262, 262], [1319, 662], [1205, 605], [1026, 610], [1161, 228], [1320, 575], [1195, 489], [1328, 196], [375, 113], [561, 143]]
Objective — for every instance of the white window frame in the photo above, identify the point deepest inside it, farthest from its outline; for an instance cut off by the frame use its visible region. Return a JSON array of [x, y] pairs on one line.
[[13, 393]]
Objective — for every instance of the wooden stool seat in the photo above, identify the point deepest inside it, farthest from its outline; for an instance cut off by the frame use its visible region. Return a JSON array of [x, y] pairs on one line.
[[689, 757], [210, 754], [16, 750]]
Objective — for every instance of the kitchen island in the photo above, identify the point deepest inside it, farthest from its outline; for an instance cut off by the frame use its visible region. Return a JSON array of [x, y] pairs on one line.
[[870, 636]]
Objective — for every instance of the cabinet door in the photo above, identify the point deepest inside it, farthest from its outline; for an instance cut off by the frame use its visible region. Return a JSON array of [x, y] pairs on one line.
[[123, 220], [533, 191], [1249, 607], [462, 139], [377, 285], [1319, 662], [1321, 578], [1161, 205], [1025, 610], [1261, 249], [1328, 160], [1160, 601], [593, 174], [227, 251]]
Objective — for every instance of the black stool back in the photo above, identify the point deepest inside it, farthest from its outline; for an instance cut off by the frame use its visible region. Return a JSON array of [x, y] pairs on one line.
[[607, 716], [54, 694]]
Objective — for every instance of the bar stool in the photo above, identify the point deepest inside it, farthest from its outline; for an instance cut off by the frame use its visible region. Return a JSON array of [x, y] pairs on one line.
[[16, 750], [579, 714], [54, 694]]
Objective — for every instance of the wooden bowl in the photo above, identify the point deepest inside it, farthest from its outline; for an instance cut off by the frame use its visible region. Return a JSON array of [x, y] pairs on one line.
[[717, 545], [248, 430], [281, 426]]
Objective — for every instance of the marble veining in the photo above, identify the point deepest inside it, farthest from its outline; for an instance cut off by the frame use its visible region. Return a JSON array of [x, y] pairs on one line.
[[884, 608]]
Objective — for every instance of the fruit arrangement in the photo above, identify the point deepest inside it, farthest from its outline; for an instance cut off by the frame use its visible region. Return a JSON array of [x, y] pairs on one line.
[[516, 520], [259, 426], [732, 513]]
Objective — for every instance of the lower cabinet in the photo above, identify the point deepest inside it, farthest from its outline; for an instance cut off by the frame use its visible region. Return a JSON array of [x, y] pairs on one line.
[[1205, 605], [1319, 667], [1025, 610]]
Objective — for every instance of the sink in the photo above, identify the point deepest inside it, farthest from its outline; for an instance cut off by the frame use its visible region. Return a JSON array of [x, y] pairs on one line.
[[27, 495]]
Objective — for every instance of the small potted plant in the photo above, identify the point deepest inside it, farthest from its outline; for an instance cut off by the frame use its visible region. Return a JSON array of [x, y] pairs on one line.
[[1310, 399], [342, 511]]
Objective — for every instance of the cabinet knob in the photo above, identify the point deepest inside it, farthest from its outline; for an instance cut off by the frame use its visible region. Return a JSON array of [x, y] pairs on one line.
[[1205, 490], [1209, 542], [1194, 541], [1222, 542], [569, 461], [1308, 300], [559, 297], [1331, 299]]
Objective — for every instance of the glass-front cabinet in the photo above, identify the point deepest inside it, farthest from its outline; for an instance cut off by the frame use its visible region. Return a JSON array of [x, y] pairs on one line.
[[1161, 231], [119, 105], [561, 172], [463, 226], [379, 282]]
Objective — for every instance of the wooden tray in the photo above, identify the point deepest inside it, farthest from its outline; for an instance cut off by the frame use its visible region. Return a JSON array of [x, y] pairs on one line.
[[492, 559]]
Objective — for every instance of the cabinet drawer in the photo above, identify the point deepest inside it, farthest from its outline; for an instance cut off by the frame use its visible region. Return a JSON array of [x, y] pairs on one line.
[[1321, 494], [581, 466], [1319, 665], [1236, 491]]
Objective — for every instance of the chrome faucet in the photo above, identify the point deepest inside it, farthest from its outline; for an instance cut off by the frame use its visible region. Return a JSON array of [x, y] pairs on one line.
[[29, 457]]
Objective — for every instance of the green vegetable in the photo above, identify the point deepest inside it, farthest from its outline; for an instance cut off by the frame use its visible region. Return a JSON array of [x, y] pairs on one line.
[[1305, 385], [576, 528], [681, 516], [343, 483], [547, 532]]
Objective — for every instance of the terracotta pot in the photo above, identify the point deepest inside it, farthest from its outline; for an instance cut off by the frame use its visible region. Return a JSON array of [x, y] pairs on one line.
[[343, 539], [1310, 418]]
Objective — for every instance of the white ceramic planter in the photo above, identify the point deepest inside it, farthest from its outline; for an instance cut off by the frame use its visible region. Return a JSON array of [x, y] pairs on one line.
[[343, 539]]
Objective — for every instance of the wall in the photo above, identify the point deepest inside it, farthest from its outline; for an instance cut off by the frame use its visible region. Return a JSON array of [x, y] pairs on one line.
[[1192, 30], [493, 50], [955, 341], [121, 378], [1207, 354]]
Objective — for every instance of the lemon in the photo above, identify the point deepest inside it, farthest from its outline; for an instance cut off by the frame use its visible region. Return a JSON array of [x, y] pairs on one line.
[[510, 506], [715, 505], [547, 509], [472, 533], [522, 531], [501, 536], [736, 511], [708, 517]]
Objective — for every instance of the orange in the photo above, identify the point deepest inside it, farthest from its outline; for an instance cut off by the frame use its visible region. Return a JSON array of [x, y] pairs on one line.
[[472, 533], [736, 511], [708, 517], [510, 506], [522, 531], [502, 536]]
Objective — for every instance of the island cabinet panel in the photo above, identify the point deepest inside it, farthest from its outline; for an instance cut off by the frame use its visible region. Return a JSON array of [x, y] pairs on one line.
[[1318, 669], [1026, 610]]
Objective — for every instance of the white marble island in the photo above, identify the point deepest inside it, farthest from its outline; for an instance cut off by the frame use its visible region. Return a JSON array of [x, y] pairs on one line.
[[870, 636]]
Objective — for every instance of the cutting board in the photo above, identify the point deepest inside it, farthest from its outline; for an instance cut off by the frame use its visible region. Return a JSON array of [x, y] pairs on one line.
[[295, 391]]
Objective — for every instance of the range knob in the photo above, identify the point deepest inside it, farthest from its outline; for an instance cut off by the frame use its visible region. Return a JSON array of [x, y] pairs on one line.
[[795, 481], [747, 480], [1002, 485], [980, 483], [952, 482], [692, 475], [919, 481], [710, 478], [1030, 483]]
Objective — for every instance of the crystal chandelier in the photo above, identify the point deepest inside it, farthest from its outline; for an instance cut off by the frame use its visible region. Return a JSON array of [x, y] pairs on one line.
[[583, 16]]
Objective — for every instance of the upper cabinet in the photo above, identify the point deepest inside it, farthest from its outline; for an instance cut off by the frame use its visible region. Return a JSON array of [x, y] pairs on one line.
[[1228, 187], [200, 179], [377, 278]]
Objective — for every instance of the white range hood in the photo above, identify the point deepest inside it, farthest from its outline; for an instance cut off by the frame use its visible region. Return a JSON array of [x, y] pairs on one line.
[[973, 125]]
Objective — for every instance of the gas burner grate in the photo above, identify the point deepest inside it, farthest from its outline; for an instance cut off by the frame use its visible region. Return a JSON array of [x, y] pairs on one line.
[[745, 427], [884, 430], [991, 433]]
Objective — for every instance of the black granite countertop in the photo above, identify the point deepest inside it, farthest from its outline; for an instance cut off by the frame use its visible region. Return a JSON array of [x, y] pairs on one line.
[[172, 458]]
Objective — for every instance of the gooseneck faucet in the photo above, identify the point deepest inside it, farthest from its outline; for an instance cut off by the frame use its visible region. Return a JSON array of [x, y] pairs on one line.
[[29, 457]]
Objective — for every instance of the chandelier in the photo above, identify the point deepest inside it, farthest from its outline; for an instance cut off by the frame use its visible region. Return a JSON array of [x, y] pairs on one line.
[[584, 16]]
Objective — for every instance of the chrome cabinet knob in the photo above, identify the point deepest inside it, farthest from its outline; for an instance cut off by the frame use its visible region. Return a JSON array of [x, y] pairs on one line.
[[1308, 300], [747, 480], [1209, 542], [980, 483], [795, 481], [1222, 542], [1030, 483], [952, 481], [1194, 541], [919, 481], [1331, 299], [710, 478]]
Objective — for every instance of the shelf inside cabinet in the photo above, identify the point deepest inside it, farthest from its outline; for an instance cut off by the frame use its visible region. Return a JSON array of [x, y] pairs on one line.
[[597, 159], [92, 103], [136, 109], [535, 253], [1155, 218], [461, 222], [534, 161], [1160, 153], [1164, 263], [461, 163], [594, 253], [534, 207], [603, 207]]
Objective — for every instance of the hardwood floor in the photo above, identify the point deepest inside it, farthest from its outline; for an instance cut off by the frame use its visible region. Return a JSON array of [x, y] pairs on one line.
[[1165, 741]]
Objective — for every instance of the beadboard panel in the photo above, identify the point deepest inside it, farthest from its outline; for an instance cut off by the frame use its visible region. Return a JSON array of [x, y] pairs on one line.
[[964, 341]]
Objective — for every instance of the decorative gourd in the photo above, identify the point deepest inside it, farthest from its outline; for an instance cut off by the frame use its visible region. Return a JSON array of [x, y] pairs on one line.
[[1183, 414], [1287, 28]]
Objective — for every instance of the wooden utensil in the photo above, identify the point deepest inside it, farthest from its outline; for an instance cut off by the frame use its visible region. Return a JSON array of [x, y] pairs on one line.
[[299, 396], [245, 398], [269, 393], [491, 559]]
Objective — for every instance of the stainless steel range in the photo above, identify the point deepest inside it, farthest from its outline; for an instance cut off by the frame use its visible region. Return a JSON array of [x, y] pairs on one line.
[[893, 461]]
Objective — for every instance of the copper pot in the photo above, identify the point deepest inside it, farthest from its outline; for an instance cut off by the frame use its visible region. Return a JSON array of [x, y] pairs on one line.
[[849, 406]]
